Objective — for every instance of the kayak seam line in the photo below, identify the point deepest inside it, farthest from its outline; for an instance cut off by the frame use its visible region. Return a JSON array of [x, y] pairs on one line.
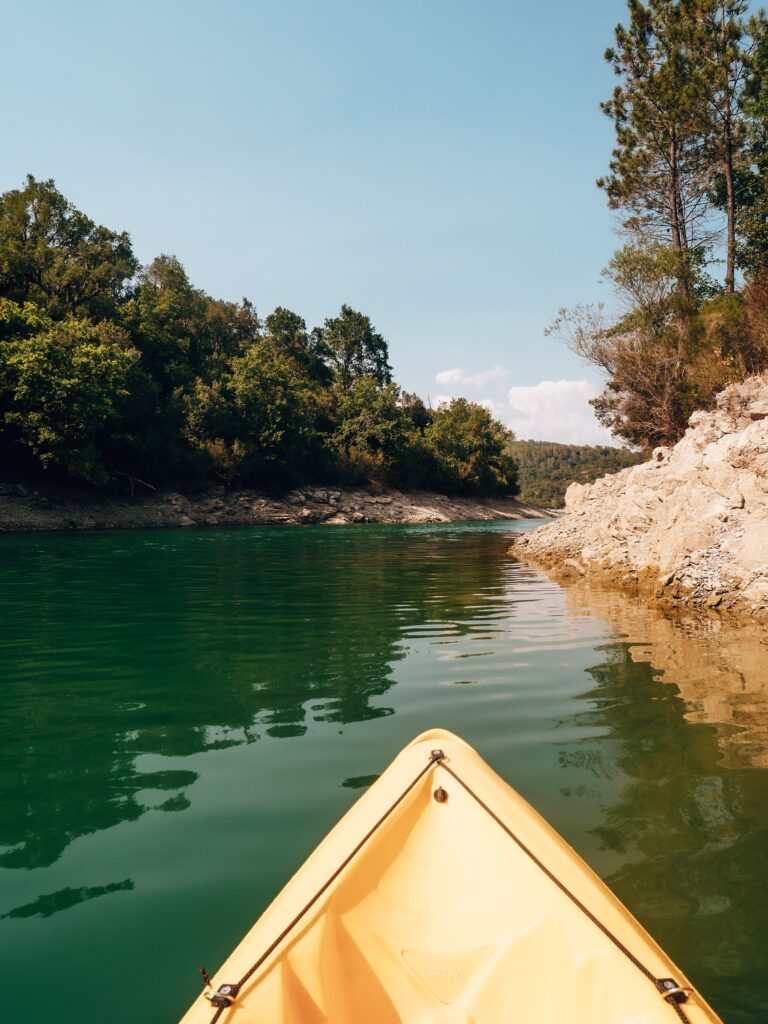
[[567, 892], [329, 881]]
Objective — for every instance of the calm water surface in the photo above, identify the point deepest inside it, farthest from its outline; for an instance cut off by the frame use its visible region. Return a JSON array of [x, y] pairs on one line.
[[185, 714]]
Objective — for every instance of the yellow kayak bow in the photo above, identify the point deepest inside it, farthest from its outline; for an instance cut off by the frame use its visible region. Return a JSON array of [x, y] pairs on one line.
[[442, 897]]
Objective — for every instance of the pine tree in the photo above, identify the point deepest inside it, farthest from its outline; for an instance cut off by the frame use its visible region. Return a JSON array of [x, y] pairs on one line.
[[721, 42], [752, 189], [657, 171]]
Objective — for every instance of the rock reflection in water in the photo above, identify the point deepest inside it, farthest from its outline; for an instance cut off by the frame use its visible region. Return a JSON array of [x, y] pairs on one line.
[[719, 667], [681, 783]]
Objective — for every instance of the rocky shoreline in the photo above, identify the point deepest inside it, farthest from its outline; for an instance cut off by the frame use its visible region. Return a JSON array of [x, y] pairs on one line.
[[23, 509], [689, 527]]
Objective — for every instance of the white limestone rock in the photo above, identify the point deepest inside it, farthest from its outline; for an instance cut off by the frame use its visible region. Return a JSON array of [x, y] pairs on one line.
[[694, 514]]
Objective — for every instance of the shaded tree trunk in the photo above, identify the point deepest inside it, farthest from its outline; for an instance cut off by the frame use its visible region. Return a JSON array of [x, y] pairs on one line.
[[679, 246], [730, 195]]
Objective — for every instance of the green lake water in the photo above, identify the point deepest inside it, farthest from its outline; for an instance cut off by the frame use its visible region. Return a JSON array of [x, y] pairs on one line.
[[186, 713]]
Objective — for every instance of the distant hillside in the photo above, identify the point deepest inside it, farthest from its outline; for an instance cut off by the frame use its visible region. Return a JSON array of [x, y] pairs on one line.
[[547, 468]]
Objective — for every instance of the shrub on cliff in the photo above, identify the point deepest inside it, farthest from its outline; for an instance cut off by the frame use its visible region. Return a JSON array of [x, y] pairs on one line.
[[660, 366]]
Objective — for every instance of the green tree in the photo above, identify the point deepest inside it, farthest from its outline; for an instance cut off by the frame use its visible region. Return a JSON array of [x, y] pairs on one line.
[[227, 329], [657, 168], [180, 331], [723, 50], [472, 450], [19, 321], [289, 333], [257, 420], [752, 245], [375, 439], [691, 119], [62, 387], [110, 372], [57, 257], [353, 349], [416, 410]]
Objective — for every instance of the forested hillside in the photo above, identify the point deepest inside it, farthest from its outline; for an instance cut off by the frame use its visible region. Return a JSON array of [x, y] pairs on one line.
[[116, 375], [546, 468]]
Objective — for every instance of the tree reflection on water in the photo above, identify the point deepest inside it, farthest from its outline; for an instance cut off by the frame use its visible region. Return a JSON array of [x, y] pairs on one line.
[[122, 645]]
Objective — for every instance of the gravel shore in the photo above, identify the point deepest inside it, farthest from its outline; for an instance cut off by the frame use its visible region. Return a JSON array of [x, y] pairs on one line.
[[23, 509]]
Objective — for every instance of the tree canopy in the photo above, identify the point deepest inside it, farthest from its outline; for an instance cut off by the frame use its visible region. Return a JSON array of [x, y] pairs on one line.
[[353, 348], [53, 255], [112, 372]]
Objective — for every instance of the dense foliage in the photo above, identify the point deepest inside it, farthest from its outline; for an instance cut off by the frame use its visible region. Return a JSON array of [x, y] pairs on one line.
[[546, 468], [115, 373], [689, 176]]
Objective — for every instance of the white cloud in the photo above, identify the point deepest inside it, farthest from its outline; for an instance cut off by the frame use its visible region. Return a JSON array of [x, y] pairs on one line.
[[556, 410], [476, 381], [454, 376], [553, 410], [481, 380]]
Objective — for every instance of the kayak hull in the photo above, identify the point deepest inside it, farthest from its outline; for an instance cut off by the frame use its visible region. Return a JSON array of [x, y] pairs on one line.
[[442, 896]]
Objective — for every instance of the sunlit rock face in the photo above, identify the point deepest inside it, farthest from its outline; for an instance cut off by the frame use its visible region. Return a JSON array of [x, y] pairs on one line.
[[691, 523]]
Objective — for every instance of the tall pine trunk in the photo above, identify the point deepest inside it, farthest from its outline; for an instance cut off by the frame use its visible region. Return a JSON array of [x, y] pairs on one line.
[[678, 232], [730, 205], [730, 195]]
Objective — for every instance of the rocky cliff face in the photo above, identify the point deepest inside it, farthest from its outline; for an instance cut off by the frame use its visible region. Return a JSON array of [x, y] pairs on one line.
[[691, 524]]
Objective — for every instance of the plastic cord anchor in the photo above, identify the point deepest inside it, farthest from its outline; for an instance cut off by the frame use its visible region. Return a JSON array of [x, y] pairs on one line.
[[224, 996], [671, 991]]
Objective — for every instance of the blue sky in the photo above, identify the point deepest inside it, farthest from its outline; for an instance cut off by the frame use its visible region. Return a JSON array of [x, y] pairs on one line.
[[430, 162]]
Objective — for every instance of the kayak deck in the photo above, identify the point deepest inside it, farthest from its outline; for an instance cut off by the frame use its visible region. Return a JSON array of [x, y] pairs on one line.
[[442, 896]]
